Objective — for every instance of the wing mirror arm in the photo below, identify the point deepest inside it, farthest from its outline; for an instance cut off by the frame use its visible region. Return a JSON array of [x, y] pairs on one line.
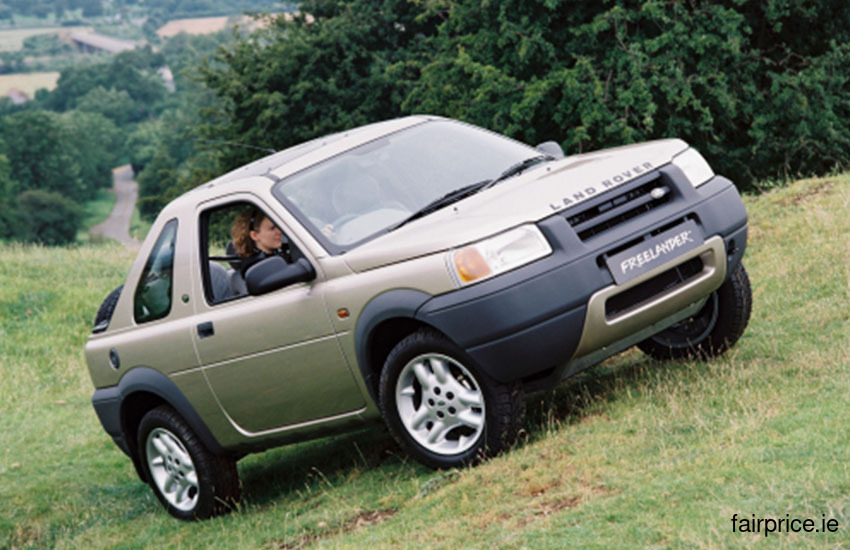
[[275, 273]]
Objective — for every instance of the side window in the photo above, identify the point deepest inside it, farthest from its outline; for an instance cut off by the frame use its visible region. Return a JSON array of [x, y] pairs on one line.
[[233, 238], [152, 300]]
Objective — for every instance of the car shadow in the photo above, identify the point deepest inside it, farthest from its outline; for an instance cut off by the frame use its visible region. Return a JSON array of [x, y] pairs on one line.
[[603, 383], [299, 469]]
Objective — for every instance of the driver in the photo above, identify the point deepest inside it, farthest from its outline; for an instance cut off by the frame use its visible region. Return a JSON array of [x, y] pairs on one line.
[[256, 237]]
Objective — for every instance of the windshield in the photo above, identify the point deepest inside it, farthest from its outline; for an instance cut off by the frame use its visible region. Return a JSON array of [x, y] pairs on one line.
[[368, 190]]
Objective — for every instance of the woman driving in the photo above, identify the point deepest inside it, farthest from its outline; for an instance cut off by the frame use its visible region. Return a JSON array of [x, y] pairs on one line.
[[256, 237]]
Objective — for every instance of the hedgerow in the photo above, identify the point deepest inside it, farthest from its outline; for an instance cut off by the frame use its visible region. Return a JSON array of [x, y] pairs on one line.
[[760, 87]]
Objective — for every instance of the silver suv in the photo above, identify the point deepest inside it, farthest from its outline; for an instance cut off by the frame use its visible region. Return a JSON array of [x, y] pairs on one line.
[[429, 273]]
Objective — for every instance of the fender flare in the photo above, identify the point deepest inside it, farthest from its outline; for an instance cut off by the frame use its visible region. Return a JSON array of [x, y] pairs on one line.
[[109, 405], [402, 303]]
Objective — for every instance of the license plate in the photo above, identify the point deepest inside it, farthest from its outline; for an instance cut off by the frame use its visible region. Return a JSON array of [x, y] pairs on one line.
[[641, 258]]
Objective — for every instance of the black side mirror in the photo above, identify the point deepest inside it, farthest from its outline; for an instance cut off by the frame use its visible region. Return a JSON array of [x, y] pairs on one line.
[[275, 273], [551, 148]]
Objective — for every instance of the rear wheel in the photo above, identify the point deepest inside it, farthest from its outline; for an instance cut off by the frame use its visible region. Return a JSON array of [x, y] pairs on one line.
[[713, 329], [441, 407], [190, 481], [106, 309]]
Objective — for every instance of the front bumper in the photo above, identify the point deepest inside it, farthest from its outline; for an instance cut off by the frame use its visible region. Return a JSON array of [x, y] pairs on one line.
[[566, 307]]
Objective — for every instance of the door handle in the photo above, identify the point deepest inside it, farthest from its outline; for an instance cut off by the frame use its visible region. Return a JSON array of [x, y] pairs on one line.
[[205, 330]]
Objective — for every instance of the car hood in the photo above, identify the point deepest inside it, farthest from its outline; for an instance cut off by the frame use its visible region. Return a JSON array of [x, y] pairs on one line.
[[529, 197]]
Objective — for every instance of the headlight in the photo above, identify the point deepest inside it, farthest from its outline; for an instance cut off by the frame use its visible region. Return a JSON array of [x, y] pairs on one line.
[[695, 167], [499, 254]]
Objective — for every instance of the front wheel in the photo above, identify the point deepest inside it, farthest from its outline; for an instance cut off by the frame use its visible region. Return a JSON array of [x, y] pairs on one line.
[[441, 407], [713, 329], [190, 481]]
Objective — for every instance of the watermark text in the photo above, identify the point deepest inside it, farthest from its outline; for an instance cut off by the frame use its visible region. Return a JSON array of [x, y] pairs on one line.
[[788, 524]]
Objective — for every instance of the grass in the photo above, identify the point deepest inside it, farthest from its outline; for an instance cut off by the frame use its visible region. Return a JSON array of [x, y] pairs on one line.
[[138, 227], [123, 31], [97, 210], [12, 40], [29, 21], [632, 453], [29, 82], [195, 25]]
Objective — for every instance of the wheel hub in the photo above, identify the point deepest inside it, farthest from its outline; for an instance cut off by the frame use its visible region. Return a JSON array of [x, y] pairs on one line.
[[172, 469], [440, 404]]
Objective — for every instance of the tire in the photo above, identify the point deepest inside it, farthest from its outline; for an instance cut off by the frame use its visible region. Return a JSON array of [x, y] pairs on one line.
[[190, 481], [441, 407], [104, 313], [713, 329]]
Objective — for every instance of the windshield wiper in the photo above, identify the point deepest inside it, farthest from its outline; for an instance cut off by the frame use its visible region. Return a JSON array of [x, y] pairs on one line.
[[445, 200], [519, 168], [471, 189]]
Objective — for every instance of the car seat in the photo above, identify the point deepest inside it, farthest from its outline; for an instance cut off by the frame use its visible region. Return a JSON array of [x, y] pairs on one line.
[[219, 283]]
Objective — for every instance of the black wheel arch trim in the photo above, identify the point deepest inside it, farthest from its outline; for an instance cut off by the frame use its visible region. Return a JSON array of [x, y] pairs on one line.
[[109, 405], [398, 303]]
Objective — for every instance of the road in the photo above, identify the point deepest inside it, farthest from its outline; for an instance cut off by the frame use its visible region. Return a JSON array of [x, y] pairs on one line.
[[117, 225]]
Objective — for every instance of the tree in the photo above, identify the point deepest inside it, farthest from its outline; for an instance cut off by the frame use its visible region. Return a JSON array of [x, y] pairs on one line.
[[743, 80], [47, 44], [98, 143], [116, 105], [42, 154], [143, 143], [603, 74], [71, 154], [295, 81], [133, 72], [176, 163], [9, 223], [91, 8], [8, 186], [51, 218]]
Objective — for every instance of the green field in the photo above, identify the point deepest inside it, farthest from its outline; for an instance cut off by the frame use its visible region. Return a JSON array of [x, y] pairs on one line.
[[138, 227], [97, 210], [634, 453], [12, 40]]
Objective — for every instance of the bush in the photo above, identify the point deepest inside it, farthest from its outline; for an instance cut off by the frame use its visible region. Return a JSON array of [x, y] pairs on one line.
[[747, 82], [47, 217]]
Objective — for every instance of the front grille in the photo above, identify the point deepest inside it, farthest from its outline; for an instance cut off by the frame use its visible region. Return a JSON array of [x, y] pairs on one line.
[[648, 290], [632, 203]]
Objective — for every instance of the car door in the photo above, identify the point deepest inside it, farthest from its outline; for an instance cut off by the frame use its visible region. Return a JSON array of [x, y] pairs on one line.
[[273, 360]]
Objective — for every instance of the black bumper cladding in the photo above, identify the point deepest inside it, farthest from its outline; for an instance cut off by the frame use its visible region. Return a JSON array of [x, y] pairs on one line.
[[528, 321]]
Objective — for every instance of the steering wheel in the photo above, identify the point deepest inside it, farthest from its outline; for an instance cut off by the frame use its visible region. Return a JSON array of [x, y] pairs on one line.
[[342, 220]]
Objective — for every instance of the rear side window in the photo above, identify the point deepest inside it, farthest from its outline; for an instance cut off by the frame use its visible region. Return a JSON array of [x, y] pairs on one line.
[[152, 300]]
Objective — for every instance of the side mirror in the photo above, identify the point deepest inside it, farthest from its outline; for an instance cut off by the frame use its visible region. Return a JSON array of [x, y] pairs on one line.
[[551, 148], [275, 273]]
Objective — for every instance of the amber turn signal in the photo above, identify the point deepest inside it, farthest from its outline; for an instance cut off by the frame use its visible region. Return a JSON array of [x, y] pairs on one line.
[[470, 264]]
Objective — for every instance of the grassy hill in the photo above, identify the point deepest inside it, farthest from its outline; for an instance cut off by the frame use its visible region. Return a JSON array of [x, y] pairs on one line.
[[632, 453]]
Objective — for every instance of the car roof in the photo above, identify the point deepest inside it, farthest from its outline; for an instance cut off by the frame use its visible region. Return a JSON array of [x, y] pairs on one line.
[[277, 166], [317, 149]]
